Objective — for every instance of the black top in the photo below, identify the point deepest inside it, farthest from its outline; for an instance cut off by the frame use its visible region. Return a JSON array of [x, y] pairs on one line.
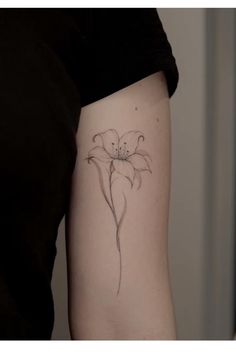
[[120, 46], [106, 49], [52, 62]]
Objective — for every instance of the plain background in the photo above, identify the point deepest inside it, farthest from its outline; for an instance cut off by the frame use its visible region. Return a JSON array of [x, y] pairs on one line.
[[196, 271]]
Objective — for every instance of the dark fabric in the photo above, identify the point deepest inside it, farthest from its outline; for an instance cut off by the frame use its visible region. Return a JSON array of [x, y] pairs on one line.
[[121, 46], [53, 62], [105, 50], [39, 114]]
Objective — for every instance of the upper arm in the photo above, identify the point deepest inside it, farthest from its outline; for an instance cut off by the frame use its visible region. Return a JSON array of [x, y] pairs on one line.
[[116, 228]]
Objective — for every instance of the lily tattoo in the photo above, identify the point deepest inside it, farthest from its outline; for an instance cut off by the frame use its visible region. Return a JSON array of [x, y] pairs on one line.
[[123, 156]]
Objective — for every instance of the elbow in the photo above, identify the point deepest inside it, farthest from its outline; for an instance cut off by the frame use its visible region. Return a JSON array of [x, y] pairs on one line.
[[123, 328]]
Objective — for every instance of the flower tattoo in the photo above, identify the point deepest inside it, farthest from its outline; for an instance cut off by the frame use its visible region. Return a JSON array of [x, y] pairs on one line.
[[120, 156]]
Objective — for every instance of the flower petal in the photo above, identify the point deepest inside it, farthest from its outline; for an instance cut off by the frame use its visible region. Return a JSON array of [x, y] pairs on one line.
[[110, 139], [144, 153], [129, 142], [139, 162], [137, 175], [124, 168], [100, 154]]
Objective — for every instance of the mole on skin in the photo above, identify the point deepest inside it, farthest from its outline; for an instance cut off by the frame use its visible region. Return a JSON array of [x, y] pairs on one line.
[[136, 108]]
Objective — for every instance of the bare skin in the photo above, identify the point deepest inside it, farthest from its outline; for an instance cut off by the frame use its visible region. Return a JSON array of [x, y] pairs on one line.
[[117, 226]]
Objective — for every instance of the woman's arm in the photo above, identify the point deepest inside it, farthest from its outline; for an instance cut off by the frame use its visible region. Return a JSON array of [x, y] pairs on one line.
[[116, 230]]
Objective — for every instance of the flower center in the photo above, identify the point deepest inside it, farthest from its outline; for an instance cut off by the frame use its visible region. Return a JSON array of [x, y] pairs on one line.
[[123, 152], [114, 150]]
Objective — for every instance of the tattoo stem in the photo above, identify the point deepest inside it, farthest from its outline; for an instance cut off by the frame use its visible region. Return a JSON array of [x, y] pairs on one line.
[[117, 227], [112, 207]]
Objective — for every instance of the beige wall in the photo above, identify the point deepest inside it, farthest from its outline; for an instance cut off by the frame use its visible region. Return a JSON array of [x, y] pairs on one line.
[[186, 31]]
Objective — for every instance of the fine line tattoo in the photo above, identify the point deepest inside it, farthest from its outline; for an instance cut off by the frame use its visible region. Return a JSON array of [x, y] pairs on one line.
[[113, 158]]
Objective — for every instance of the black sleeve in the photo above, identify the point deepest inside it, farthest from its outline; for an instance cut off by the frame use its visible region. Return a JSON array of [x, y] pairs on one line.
[[122, 46]]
